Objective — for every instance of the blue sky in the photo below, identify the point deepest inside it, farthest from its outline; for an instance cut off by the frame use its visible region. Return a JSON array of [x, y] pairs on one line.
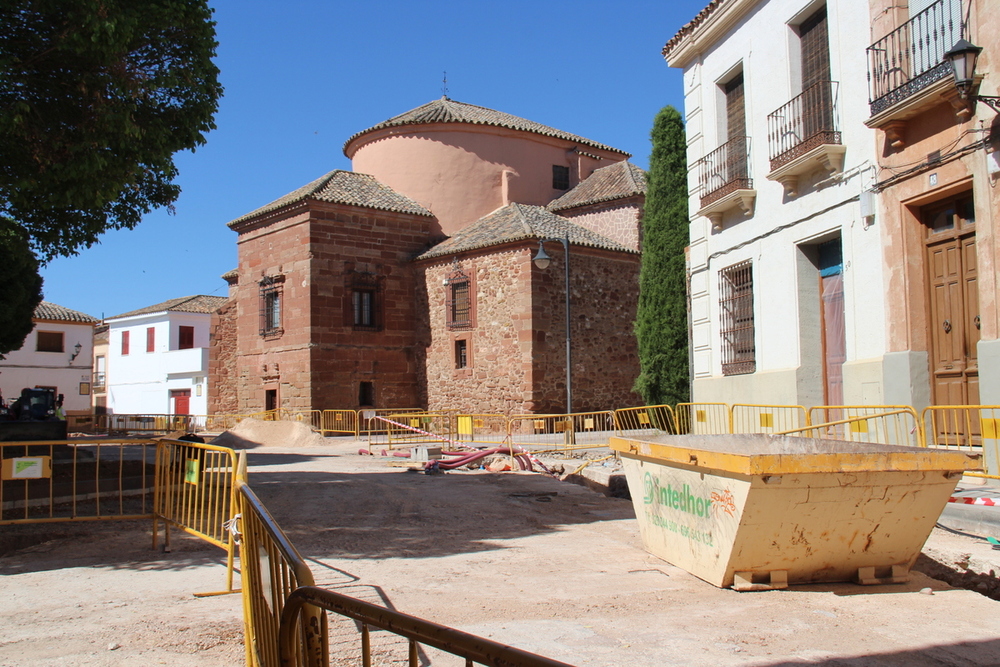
[[301, 77]]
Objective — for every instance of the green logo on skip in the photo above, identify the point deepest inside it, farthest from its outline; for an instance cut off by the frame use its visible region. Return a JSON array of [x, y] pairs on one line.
[[679, 499]]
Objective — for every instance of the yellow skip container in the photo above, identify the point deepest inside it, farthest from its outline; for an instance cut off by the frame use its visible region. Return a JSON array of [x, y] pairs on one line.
[[757, 511]]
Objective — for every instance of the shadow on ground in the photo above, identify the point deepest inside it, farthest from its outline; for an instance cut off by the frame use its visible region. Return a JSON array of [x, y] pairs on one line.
[[981, 654]]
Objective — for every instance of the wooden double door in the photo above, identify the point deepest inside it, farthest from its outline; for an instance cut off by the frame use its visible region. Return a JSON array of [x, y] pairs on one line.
[[954, 302]]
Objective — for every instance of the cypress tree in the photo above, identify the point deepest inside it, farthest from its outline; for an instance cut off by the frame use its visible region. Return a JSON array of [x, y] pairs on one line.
[[661, 325]]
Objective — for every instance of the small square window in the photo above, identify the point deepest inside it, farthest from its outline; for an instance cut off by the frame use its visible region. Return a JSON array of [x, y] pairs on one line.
[[366, 394], [461, 354], [560, 177], [50, 341], [364, 306]]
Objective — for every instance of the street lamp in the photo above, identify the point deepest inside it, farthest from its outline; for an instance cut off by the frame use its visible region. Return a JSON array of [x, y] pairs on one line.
[[542, 261], [963, 58]]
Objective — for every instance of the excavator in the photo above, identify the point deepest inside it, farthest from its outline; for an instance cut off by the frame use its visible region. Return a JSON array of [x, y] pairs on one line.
[[35, 415]]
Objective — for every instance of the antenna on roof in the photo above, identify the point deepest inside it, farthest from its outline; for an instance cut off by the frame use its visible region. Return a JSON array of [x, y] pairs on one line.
[[444, 87]]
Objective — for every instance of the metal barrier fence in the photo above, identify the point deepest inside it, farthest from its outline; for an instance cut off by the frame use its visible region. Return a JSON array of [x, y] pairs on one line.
[[702, 418], [484, 428], [339, 421], [896, 424], [650, 420], [474, 650], [270, 570], [195, 491], [425, 428], [971, 428], [747, 418], [369, 424], [580, 430], [77, 481], [314, 418], [886, 428]]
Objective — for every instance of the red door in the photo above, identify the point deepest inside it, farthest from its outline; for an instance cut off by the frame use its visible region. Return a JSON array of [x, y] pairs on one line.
[[182, 401]]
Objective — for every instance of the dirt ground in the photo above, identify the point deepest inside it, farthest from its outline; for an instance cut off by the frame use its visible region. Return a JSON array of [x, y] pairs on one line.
[[521, 558]]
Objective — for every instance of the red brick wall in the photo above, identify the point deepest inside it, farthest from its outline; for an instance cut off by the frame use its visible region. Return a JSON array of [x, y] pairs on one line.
[[517, 347], [319, 359], [223, 371], [604, 288]]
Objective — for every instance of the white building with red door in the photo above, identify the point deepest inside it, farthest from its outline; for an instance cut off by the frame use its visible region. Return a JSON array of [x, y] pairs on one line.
[[158, 357]]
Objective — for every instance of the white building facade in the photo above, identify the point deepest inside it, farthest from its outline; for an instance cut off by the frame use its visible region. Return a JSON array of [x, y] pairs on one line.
[[158, 358], [786, 279], [57, 354]]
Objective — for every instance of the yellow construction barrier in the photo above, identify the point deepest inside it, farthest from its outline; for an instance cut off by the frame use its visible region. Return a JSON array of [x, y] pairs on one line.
[[481, 428], [309, 648], [702, 418], [747, 418], [369, 424], [418, 428], [970, 428], [648, 420], [896, 427], [195, 491], [313, 418], [580, 430], [77, 481], [270, 570], [339, 421]]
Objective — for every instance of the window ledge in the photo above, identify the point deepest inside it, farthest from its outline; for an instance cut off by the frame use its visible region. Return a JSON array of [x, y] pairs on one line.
[[743, 199], [825, 156]]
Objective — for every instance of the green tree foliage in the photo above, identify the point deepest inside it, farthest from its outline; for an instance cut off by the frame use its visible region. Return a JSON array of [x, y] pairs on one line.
[[96, 97], [661, 322], [22, 288]]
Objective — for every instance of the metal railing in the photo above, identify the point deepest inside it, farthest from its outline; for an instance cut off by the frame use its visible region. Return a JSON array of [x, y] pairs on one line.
[[270, 570], [747, 418], [195, 492], [62, 480], [485, 428], [911, 57], [807, 121], [896, 427], [970, 428], [339, 421], [725, 170], [650, 420], [702, 418], [418, 428], [308, 648], [581, 430]]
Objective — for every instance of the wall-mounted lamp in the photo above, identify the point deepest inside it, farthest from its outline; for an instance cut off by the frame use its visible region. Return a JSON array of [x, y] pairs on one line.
[[963, 63], [76, 352]]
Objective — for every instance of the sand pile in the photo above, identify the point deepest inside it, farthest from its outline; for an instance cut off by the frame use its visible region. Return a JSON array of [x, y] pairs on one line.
[[251, 433]]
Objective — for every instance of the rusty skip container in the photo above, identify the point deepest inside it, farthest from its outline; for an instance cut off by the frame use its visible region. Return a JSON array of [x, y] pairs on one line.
[[758, 511]]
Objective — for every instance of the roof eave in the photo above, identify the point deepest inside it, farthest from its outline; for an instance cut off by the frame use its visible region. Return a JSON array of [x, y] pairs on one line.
[[711, 30]]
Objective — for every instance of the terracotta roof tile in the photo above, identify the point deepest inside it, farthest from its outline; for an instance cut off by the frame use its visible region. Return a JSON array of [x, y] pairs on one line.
[[50, 311], [691, 26], [616, 181], [515, 222], [445, 110], [344, 187], [185, 304]]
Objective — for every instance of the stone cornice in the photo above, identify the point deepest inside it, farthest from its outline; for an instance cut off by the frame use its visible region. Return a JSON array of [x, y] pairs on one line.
[[709, 31]]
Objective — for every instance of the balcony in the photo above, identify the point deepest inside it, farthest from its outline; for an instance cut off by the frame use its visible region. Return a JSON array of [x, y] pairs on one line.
[[804, 136], [99, 383], [724, 180], [907, 73]]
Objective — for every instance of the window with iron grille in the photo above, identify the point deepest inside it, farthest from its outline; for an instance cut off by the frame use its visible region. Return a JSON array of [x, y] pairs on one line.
[[459, 301], [560, 177], [270, 306], [737, 325], [364, 310]]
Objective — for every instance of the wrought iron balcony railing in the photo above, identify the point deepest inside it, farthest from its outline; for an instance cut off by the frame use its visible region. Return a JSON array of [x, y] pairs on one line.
[[910, 58], [725, 170], [99, 382], [808, 121]]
